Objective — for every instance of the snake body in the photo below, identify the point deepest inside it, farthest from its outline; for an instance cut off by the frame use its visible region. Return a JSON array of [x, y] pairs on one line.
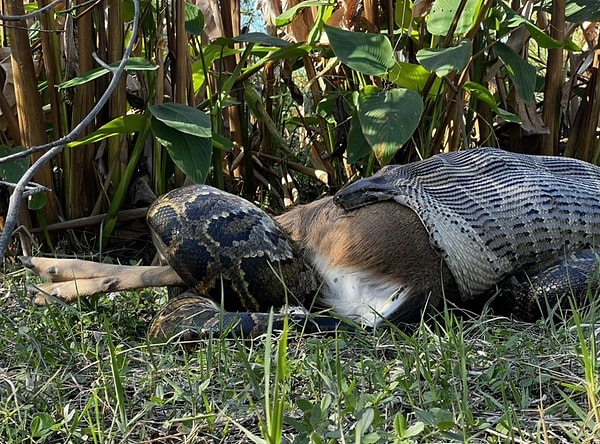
[[460, 224]]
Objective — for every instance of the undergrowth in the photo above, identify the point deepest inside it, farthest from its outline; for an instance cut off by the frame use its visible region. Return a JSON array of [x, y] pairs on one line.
[[86, 373]]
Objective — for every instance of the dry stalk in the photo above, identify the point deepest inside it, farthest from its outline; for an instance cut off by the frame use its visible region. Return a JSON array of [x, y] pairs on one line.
[[54, 148]]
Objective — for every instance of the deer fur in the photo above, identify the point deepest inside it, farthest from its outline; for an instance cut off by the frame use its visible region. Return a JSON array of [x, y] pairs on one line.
[[380, 243], [74, 278], [380, 250]]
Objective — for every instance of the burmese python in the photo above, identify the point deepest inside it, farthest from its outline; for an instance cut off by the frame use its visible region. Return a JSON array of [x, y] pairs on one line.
[[224, 247], [526, 225]]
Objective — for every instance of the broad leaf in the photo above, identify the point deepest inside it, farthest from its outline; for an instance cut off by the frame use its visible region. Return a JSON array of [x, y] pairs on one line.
[[291, 52], [210, 53], [12, 171], [522, 73], [192, 154], [357, 147], [186, 134], [443, 12], [133, 64], [414, 430], [403, 14], [214, 52], [388, 119], [183, 118], [579, 11], [290, 14], [198, 77], [222, 142], [545, 41], [514, 20], [370, 54], [194, 20], [482, 93], [130, 123], [412, 76], [445, 60]]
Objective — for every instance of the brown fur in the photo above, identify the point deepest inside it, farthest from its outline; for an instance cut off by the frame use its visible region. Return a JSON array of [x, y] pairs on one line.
[[73, 278], [387, 239]]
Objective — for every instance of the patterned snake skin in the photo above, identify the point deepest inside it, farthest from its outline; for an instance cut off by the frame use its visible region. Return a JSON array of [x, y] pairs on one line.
[[212, 238], [221, 244], [524, 224], [491, 213]]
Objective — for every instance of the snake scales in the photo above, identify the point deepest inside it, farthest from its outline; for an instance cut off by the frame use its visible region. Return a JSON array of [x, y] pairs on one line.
[[461, 224]]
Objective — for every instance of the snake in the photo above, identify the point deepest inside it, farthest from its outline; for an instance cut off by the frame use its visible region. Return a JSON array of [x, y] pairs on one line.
[[231, 254], [462, 228]]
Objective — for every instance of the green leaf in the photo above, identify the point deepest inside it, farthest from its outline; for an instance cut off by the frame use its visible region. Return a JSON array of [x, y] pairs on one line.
[[290, 14], [520, 71], [253, 37], [445, 60], [412, 76], [12, 171], [215, 52], [357, 147], [41, 425], [127, 124], [183, 118], [370, 54], [545, 41], [133, 64], [194, 20], [192, 154], [400, 425], [222, 142], [37, 201], [388, 119], [364, 420], [414, 430], [443, 12], [403, 14], [210, 53], [292, 52], [514, 20], [482, 93], [579, 11], [186, 134], [297, 50]]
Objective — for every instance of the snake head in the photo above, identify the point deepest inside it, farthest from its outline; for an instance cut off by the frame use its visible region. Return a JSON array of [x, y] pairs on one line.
[[366, 191]]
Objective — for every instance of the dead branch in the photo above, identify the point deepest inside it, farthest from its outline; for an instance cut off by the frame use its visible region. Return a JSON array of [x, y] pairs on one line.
[[54, 148]]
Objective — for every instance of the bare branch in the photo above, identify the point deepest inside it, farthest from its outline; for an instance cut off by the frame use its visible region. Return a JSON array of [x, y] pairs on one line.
[[30, 189], [102, 63], [31, 15], [57, 146], [43, 10]]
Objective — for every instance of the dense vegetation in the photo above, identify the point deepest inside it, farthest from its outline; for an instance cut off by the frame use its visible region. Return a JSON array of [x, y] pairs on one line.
[[86, 374], [344, 91], [124, 100]]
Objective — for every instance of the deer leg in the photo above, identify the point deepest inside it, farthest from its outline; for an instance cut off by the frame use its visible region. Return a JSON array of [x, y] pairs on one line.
[[74, 278]]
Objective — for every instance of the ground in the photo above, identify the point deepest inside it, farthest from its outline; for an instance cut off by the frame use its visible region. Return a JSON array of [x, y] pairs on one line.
[[86, 373]]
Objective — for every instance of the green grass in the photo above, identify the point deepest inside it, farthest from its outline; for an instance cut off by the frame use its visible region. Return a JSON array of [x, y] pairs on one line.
[[85, 373]]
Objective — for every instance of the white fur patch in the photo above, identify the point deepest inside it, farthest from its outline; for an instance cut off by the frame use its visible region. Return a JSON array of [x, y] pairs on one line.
[[358, 295]]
